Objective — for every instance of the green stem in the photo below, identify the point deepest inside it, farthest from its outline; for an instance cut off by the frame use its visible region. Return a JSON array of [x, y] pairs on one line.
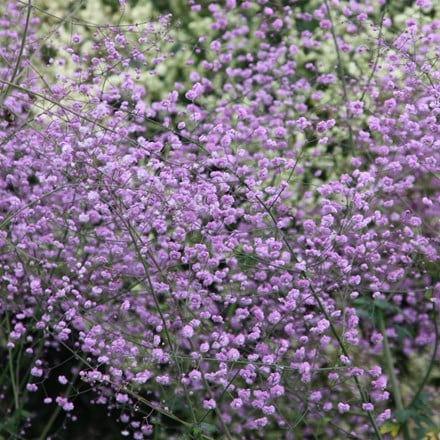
[[216, 409], [11, 369], [432, 361], [50, 422], [389, 361]]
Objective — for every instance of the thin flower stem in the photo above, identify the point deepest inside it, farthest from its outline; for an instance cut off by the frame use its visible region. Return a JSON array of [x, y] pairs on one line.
[[376, 60], [135, 395], [92, 121], [340, 75], [345, 352], [134, 238], [20, 55], [57, 410], [327, 317]]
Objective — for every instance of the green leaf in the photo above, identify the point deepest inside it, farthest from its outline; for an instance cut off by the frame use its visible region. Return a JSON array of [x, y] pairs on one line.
[[404, 415], [403, 332], [385, 305], [196, 433], [209, 428], [390, 428]]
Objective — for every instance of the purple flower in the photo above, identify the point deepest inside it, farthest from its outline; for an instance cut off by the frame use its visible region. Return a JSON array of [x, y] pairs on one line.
[[343, 407]]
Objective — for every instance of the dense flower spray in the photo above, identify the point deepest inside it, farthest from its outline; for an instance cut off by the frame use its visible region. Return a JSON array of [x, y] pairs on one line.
[[253, 253]]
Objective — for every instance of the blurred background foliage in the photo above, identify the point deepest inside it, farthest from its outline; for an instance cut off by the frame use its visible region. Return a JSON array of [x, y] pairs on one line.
[[186, 44]]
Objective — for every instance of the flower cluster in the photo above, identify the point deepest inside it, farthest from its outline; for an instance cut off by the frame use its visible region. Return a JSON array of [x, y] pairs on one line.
[[248, 254]]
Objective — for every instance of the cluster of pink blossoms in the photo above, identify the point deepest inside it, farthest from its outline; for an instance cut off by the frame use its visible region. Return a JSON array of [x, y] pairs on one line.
[[247, 255]]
